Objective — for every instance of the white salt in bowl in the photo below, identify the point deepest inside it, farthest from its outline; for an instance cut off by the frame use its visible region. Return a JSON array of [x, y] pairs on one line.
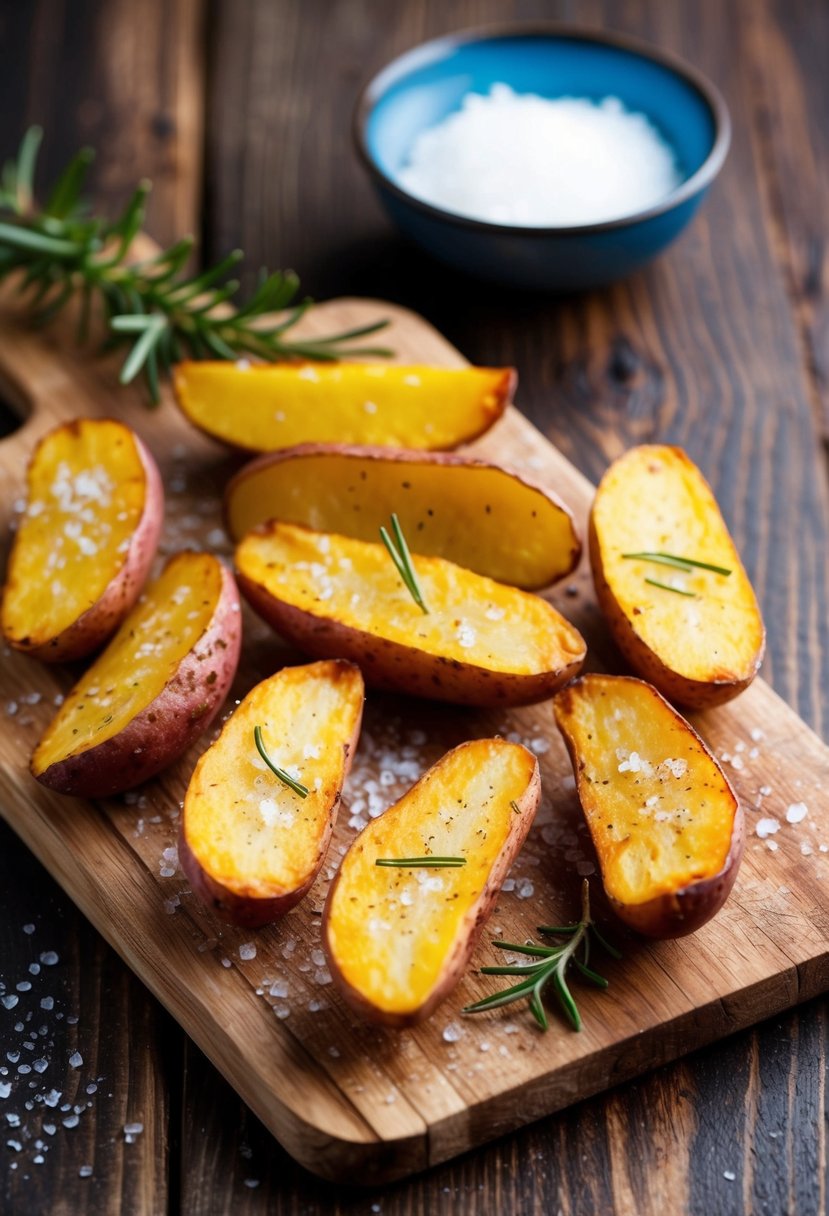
[[573, 219]]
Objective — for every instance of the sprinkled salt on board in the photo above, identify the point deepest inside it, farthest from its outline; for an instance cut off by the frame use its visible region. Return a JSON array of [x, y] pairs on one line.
[[521, 159]]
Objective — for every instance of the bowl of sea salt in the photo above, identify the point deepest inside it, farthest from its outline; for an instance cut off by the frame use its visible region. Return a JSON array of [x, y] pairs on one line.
[[541, 157]]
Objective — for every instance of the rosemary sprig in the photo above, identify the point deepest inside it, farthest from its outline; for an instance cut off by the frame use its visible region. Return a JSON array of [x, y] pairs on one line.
[[402, 558], [62, 250], [654, 582], [422, 862], [292, 784], [552, 965], [687, 564]]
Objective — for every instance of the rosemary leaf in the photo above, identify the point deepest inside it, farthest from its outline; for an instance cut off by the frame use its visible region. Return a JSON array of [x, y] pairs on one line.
[[551, 967], [399, 553], [286, 778], [63, 246], [422, 862], [680, 563], [654, 582]]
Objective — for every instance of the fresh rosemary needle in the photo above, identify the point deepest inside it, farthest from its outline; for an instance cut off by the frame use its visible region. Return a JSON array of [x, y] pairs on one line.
[[62, 251], [679, 563], [292, 784], [550, 967], [654, 582], [422, 862], [402, 558]]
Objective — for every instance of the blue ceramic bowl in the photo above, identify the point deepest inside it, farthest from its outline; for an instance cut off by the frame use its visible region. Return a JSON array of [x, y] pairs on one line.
[[422, 86]]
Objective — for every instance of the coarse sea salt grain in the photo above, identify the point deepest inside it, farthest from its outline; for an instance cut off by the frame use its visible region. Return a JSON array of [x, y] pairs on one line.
[[522, 159], [796, 812], [766, 827]]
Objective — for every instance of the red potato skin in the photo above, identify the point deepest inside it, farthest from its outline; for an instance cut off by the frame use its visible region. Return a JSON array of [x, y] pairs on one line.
[[676, 913], [248, 910], [100, 621], [477, 916], [181, 712], [391, 667], [400, 456], [693, 694]]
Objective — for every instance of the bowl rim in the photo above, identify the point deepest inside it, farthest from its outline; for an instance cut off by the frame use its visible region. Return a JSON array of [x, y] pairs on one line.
[[371, 93]]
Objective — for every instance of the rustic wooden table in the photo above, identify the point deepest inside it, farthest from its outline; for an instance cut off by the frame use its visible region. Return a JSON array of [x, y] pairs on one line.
[[239, 111]]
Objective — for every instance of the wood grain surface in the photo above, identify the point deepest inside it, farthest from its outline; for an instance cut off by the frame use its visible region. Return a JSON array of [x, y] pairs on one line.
[[721, 345], [347, 1099]]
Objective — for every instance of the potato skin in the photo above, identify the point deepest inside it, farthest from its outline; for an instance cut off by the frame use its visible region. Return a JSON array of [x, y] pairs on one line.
[[95, 626], [392, 667], [675, 913], [251, 911], [464, 947], [406, 457], [182, 711], [246, 911]]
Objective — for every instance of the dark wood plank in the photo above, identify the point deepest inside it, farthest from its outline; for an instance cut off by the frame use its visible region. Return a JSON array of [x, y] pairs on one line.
[[82, 1058], [790, 108], [126, 78], [708, 348], [123, 78]]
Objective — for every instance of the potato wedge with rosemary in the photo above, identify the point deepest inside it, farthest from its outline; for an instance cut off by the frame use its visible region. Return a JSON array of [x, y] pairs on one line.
[[152, 692], [483, 517], [479, 643], [86, 540], [666, 825], [398, 935], [265, 407], [669, 580], [254, 832]]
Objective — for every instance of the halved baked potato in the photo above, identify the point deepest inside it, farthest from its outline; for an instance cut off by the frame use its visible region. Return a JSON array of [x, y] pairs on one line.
[[86, 539], [670, 581], [666, 825], [476, 514], [264, 407], [250, 843], [398, 937], [480, 643], [154, 690]]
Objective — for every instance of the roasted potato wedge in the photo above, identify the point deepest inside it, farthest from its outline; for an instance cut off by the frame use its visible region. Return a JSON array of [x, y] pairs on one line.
[[86, 540], [249, 843], [154, 690], [696, 633], [264, 407], [478, 515], [480, 643], [398, 939], [666, 825]]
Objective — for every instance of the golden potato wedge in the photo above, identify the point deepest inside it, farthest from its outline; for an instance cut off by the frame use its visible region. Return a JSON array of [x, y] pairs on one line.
[[264, 407], [154, 690], [695, 633], [666, 825], [480, 643], [398, 938], [476, 514], [249, 843], [86, 540]]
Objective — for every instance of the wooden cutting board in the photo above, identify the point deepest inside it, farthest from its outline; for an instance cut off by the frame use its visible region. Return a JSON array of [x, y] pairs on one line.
[[352, 1102]]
